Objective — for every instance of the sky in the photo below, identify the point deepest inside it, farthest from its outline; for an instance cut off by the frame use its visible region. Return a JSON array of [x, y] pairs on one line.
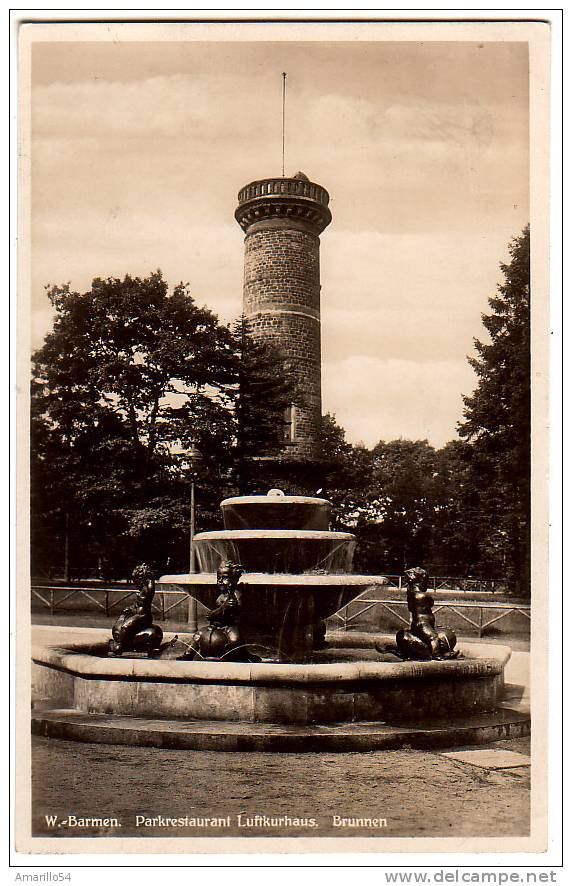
[[139, 150]]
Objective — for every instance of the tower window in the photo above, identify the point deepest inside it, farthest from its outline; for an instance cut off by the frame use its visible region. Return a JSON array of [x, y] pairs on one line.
[[290, 424]]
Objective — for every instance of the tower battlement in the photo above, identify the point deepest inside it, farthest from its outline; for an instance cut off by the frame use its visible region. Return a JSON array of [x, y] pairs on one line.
[[296, 199]]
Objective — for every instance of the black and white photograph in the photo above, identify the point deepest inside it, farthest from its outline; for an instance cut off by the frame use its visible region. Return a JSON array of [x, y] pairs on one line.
[[283, 352]]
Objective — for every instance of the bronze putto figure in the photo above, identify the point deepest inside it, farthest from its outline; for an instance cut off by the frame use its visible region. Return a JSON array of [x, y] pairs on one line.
[[221, 638], [134, 630], [423, 640]]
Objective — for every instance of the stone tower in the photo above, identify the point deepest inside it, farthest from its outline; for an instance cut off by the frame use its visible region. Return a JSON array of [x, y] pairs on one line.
[[283, 219]]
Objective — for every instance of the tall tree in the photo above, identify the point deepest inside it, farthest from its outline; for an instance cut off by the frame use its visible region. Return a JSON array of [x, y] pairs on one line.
[[128, 368], [264, 393], [497, 415], [130, 349], [461, 530]]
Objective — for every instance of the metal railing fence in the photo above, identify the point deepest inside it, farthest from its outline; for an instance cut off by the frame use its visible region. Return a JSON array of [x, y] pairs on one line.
[[52, 597], [480, 623], [452, 583], [482, 616]]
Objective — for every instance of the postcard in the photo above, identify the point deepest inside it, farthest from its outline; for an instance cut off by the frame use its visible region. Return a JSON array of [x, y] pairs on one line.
[[283, 437]]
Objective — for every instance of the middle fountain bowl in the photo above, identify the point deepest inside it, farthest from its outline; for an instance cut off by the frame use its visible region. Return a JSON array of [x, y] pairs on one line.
[[297, 571]]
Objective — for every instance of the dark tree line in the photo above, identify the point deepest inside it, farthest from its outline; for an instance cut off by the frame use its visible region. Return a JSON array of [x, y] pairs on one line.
[[131, 373], [415, 504]]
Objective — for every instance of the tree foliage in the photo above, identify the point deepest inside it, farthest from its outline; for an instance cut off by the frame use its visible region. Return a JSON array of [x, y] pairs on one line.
[[346, 473], [497, 415], [130, 354], [463, 509], [128, 369], [263, 395], [130, 373]]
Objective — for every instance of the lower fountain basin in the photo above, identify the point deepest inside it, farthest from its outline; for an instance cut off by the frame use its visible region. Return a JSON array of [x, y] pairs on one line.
[[279, 612], [78, 677]]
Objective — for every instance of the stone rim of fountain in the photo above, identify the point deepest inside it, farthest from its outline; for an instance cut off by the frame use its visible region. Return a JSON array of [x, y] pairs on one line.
[[78, 677], [285, 534], [88, 660]]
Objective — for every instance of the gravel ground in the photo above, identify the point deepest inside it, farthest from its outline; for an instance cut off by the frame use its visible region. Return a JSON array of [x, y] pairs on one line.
[[418, 793]]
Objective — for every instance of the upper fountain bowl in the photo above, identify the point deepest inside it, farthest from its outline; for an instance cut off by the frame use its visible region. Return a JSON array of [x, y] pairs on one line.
[[276, 511]]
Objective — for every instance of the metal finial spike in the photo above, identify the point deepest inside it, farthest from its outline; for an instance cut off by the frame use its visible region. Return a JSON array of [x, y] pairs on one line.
[[283, 116]]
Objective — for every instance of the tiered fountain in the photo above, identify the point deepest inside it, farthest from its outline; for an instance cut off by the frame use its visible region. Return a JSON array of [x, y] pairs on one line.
[[296, 573]]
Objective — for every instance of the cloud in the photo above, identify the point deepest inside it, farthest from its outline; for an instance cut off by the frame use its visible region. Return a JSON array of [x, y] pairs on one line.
[[168, 107]]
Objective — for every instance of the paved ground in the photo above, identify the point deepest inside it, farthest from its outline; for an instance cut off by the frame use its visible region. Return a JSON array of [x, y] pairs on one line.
[[417, 793]]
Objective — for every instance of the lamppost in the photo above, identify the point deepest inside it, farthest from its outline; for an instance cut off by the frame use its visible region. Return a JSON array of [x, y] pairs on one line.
[[194, 460], [191, 460]]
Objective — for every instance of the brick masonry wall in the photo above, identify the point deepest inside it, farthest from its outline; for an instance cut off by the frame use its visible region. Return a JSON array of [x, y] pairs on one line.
[[281, 266], [282, 303]]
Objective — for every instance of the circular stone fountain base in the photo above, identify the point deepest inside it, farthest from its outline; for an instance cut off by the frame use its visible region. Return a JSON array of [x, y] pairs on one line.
[[358, 705]]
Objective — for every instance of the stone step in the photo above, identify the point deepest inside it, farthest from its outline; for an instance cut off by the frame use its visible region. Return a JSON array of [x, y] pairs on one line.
[[219, 735]]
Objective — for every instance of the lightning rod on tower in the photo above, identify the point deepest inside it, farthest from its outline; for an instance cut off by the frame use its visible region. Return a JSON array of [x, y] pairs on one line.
[[283, 116]]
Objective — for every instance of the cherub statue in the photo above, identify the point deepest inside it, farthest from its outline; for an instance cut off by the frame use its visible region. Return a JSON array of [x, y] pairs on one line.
[[423, 640], [221, 637], [134, 630]]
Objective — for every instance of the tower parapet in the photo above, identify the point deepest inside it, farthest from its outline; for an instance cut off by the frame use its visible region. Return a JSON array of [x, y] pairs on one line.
[[283, 219], [277, 199]]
